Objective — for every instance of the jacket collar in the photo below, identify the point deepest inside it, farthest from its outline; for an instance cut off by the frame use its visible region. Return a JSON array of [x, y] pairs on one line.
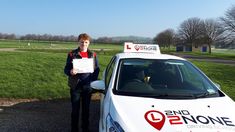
[[76, 52]]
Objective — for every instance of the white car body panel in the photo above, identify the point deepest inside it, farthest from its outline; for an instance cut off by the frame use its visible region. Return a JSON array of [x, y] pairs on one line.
[[130, 111]]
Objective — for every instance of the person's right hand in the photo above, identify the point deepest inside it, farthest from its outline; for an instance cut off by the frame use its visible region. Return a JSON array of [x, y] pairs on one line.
[[73, 72]]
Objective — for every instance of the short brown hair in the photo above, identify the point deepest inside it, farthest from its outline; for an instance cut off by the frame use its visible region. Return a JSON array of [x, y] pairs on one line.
[[84, 36]]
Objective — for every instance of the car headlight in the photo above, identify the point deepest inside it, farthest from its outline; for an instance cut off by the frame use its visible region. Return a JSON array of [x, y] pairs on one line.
[[113, 126]]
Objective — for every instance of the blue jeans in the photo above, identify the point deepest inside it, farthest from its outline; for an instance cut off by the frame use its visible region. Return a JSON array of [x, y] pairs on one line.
[[77, 96]]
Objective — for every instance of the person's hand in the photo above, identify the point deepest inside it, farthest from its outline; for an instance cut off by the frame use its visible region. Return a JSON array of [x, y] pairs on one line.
[[73, 72]]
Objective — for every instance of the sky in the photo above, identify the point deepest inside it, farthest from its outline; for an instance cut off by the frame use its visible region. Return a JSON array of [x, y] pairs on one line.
[[101, 18]]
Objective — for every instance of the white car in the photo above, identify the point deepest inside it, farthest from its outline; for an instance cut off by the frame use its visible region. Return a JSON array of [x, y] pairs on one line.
[[151, 92]]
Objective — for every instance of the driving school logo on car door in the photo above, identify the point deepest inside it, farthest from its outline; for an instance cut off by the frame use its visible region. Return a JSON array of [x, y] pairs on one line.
[[157, 119]]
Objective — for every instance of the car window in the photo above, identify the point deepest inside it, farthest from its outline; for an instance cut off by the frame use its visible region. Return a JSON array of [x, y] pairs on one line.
[[109, 71], [168, 78], [195, 81]]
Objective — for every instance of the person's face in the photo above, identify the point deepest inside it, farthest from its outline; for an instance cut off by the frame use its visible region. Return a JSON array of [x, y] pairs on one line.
[[83, 44], [140, 75]]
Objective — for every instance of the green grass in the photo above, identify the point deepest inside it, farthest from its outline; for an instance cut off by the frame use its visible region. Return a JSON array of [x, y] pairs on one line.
[[35, 74], [32, 75], [38, 72], [224, 51], [53, 45], [224, 75], [98, 51], [227, 56]]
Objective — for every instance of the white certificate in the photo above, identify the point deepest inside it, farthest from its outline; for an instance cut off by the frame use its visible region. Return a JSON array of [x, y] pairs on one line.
[[84, 65]]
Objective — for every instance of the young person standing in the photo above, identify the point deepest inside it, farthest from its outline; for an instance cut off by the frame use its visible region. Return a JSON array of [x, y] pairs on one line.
[[79, 82]]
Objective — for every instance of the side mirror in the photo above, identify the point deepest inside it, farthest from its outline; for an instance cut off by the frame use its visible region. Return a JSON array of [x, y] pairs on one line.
[[98, 86], [217, 85]]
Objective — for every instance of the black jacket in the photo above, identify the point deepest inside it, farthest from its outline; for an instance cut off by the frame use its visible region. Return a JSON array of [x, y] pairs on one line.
[[80, 79]]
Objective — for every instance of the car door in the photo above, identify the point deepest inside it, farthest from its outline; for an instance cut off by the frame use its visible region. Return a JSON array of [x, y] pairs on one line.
[[105, 97]]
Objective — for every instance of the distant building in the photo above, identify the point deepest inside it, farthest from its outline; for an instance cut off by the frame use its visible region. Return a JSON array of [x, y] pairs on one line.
[[190, 48]]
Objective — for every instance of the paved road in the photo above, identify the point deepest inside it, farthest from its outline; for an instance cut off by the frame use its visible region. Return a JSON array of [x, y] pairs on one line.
[[42, 116]]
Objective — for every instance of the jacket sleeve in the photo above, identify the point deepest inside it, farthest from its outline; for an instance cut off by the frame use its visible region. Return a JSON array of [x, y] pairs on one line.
[[97, 69], [68, 65]]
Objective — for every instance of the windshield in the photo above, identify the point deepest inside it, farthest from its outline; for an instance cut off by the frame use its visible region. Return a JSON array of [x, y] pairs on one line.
[[163, 79]]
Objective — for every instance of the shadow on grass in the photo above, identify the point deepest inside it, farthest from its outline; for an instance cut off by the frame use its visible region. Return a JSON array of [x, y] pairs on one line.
[[43, 116]]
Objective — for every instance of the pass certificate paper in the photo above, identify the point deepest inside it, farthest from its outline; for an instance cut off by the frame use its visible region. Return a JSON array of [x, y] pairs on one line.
[[84, 65]]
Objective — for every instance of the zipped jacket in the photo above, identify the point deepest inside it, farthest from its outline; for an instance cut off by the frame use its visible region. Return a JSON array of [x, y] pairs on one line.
[[80, 79]]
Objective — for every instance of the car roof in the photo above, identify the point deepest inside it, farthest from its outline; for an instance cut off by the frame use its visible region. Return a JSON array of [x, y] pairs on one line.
[[147, 56]]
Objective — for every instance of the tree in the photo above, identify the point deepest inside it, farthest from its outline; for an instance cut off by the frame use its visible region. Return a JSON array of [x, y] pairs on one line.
[[229, 20], [211, 32], [104, 40], [7, 36], [191, 30], [165, 38]]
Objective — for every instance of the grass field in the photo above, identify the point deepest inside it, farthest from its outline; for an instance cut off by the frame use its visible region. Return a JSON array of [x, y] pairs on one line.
[[214, 55], [32, 75], [224, 75], [224, 51], [53, 45], [38, 71], [35, 74]]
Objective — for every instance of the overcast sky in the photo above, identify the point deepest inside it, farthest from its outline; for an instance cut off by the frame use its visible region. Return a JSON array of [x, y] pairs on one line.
[[104, 17]]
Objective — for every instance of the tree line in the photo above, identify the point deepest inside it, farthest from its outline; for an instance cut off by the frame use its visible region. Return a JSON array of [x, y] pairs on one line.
[[71, 38], [195, 32], [38, 37]]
